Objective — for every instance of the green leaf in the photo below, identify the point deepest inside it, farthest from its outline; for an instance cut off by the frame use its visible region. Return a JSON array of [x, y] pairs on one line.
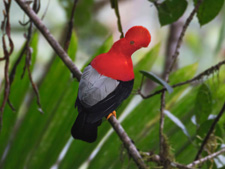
[[170, 11], [203, 104], [221, 37], [83, 9], [208, 10], [157, 80], [177, 121], [73, 46]]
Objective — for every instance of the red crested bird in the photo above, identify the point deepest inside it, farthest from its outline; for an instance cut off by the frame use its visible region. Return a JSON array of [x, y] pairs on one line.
[[106, 82]]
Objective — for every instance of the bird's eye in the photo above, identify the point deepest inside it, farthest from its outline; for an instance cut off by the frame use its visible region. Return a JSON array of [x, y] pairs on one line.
[[131, 42]]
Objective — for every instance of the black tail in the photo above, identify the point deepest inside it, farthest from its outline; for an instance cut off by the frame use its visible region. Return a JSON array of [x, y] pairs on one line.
[[84, 131]]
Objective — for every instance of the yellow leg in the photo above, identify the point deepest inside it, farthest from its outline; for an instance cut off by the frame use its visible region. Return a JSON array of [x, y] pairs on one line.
[[111, 114]]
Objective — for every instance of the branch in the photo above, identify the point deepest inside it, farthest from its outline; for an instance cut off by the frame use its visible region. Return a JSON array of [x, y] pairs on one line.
[[127, 142], [207, 72], [157, 159], [70, 26], [114, 5], [48, 36], [148, 156], [76, 73], [6, 29], [209, 157], [174, 57], [174, 32], [210, 132], [188, 21]]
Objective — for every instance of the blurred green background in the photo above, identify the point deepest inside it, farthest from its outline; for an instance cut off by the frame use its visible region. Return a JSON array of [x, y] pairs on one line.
[[32, 140]]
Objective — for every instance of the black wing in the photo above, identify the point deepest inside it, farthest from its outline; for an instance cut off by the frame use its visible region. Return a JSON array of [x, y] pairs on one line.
[[108, 104]]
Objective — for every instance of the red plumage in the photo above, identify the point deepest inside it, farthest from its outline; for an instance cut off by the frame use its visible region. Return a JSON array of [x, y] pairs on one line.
[[117, 63]]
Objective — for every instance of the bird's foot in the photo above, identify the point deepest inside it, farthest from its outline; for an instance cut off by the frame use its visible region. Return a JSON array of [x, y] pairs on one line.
[[111, 114]]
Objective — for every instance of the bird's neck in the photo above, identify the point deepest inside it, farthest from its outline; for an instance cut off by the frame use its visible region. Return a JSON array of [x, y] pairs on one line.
[[123, 47]]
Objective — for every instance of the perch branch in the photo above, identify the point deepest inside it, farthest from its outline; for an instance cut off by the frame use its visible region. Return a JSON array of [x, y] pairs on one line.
[[127, 142], [77, 74], [210, 132]]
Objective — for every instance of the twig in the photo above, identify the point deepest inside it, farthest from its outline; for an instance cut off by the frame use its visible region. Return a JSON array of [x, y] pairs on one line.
[[55, 45], [114, 5], [24, 49], [148, 156], [6, 28], [174, 32], [156, 158], [77, 74], [188, 21], [209, 157], [210, 132], [207, 72], [45, 12], [70, 26], [174, 57], [161, 123]]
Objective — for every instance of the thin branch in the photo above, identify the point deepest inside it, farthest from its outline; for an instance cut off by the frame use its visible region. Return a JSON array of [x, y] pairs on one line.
[[174, 32], [188, 21], [210, 132], [150, 157], [114, 5], [209, 157], [207, 72], [161, 123], [174, 57], [77, 74], [55, 45], [46, 9], [70, 26], [6, 29]]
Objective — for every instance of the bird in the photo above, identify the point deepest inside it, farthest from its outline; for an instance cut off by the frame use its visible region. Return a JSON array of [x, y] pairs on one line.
[[106, 82]]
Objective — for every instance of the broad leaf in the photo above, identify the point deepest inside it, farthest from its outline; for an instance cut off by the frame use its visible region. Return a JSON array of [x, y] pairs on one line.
[[208, 10], [158, 80], [170, 11], [203, 105], [73, 46], [177, 122]]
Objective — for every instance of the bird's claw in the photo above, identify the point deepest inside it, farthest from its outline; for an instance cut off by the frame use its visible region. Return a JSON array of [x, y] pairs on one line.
[[111, 114]]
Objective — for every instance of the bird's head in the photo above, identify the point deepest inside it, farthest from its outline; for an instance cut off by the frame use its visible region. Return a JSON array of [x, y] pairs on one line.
[[138, 36], [135, 38]]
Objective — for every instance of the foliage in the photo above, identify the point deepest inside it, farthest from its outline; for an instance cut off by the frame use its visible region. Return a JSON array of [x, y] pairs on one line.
[[29, 139], [170, 11]]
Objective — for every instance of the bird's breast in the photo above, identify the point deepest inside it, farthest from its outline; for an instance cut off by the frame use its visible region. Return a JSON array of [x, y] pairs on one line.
[[117, 67]]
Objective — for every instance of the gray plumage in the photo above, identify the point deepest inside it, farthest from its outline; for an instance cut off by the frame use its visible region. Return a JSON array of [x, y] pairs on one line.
[[94, 87]]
